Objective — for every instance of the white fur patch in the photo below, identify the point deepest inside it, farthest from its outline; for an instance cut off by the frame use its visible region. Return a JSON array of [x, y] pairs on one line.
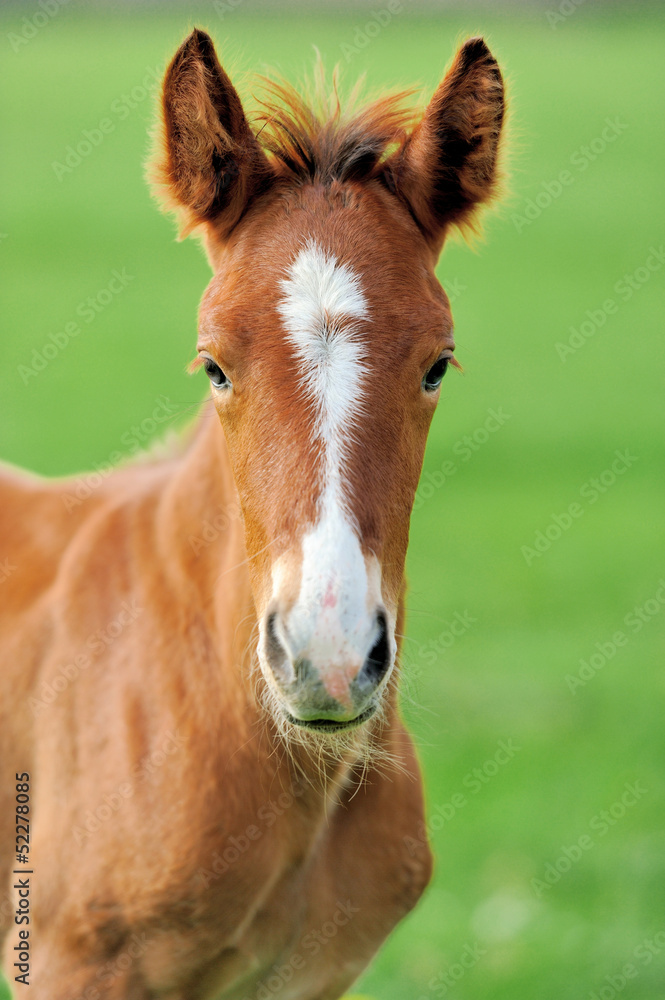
[[333, 619], [321, 300]]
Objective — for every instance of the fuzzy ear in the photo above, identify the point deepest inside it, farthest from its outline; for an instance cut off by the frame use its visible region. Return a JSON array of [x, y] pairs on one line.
[[210, 164], [448, 165]]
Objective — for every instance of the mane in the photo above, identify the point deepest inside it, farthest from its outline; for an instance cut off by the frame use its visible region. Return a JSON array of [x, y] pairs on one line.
[[316, 135]]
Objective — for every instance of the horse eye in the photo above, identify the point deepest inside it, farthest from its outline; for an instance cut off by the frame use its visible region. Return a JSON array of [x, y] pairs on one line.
[[434, 376], [215, 374]]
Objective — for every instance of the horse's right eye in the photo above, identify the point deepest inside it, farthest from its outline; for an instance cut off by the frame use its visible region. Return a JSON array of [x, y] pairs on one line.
[[215, 374], [433, 378]]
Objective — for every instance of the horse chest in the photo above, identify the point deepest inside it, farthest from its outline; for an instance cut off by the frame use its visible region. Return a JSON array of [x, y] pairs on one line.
[[278, 942]]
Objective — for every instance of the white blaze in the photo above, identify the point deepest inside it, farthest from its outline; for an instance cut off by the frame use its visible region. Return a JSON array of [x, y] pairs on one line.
[[332, 620]]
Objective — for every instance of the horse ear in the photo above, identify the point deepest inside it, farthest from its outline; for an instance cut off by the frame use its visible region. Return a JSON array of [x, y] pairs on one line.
[[210, 164], [448, 165]]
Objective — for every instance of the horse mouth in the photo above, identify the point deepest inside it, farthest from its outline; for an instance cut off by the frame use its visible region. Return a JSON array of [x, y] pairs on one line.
[[333, 725]]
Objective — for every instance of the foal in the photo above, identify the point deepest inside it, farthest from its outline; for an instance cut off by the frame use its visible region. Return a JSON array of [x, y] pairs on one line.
[[204, 728]]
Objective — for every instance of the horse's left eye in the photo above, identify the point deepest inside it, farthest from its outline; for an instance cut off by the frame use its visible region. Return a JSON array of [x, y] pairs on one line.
[[432, 379], [215, 374]]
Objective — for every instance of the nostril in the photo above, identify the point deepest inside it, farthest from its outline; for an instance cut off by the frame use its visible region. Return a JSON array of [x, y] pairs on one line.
[[276, 654], [273, 646], [378, 659]]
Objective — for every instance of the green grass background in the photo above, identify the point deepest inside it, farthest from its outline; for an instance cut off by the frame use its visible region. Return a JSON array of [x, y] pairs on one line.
[[505, 677]]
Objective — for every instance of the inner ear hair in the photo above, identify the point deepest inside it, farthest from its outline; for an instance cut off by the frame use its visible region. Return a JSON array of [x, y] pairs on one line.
[[448, 166], [208, 163]]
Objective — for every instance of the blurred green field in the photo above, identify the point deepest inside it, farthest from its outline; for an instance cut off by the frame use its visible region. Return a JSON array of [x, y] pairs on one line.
[[521, 761]]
